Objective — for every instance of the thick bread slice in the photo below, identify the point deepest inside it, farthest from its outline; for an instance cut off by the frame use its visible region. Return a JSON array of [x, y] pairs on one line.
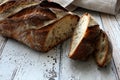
[[103, 53], [83, 38], [40, 38]]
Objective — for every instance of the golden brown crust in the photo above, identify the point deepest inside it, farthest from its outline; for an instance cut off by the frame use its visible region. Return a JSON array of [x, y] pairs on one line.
[[12, 3], [7, 6], [33, 37], [9, 26]]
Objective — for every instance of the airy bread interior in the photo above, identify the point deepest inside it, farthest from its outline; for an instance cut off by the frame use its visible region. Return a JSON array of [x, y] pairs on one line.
[[79, 33], [61, 30]]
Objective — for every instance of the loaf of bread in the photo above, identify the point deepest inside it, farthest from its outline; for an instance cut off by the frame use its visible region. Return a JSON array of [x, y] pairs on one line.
[[41, 27], [89, 40]]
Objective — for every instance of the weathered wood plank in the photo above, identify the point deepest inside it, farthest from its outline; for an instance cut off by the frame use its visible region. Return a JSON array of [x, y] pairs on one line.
[[2, 44], [22, 63], [112, 27], [77, 70]]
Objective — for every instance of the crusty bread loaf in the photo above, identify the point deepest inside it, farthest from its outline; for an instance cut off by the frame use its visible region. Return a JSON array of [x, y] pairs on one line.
[[84, 35], [89, 40], [103, 52], [39, 27]]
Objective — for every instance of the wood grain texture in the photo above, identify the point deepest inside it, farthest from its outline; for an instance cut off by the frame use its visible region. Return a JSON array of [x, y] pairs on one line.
[[22, 63], [2, 44], [112, 27]]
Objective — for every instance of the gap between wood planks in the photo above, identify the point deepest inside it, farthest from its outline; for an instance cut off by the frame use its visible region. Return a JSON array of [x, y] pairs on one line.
[[3, 42], [110, 28], [60, 61]]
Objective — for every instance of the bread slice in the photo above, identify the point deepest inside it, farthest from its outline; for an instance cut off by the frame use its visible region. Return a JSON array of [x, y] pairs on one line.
[[83, 38], [103, 53]]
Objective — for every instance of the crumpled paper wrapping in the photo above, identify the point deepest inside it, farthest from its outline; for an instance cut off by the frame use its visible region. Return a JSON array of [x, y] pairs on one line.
[[64, 3], [106, 6]]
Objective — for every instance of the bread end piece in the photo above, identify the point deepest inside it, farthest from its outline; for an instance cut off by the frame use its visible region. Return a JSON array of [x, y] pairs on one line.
[[103, 53]]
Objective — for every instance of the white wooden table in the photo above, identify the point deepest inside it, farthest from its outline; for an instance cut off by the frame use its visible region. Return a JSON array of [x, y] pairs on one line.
[[18, 62]]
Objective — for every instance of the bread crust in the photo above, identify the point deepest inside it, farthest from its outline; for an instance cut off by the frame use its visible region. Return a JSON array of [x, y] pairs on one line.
[[42, 13], [31, 36]]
